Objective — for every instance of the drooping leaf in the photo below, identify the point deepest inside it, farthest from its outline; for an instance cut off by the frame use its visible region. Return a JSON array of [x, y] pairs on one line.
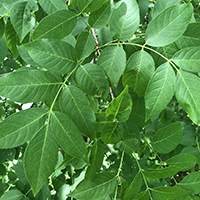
[[112, 61], [171, 193], [22, 127], [175, 20], [12, 39], [162, 5], [56, 26], [188, 59], [124, 20], [92, 80], [190, 37], [68, 136], [191, 182], [133, 189], [139, 69], [85, 44], [51, 6], [120, 107], [22, 19], [112, 132], [40, 158], [99, 187], [161, 172], [100, 17], [96, 160], [183, 161], [167, 139], [56, 56], [75, 104], [160, 90], [29, 85], [187, 94], [90, 5]]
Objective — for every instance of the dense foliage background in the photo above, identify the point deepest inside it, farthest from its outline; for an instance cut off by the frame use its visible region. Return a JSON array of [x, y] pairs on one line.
[[100, 100]]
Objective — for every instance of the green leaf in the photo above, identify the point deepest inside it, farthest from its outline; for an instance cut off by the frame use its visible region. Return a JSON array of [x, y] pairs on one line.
[[29, 85], [161, 172], [167, 139], [96, 160], [91, 79], [112, 132], [120, 107], [188, 59], [3, 49], [13, 194], [142, 196], [124, 20], [112, 61], [191, 182], [133, 189], [12, 39], [85, 44], [68, 136], [190, 37], [75, 104], [22, 127], [187, 94], [166, 193], [99, 187], [7, 5], [2, 27], [90, 5], [54, 55], [50, 6], [139, 69], [160, 90], [183, 161], [40, 158], [22, 19], [175, 20], [56, 26], [162, 5], [100, 17]]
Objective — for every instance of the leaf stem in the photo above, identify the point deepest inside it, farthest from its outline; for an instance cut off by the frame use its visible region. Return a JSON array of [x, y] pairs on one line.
[[120, 165]]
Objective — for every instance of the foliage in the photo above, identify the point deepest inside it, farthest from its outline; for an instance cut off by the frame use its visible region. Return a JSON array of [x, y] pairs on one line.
[[99, 99]]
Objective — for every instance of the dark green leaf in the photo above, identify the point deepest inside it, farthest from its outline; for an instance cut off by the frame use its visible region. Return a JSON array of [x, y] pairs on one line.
[[50, 6], [56, 26], [3, 49], [134, 187], [187, 94], [167, 139], [139, 69], [22, 19], [188, 59], [92, 80], [98, 188], [22, 127], [124, 20], [160, 90], [96, 160], [40, 158], [13, 194], [112, 61], [54, 55], [120, 107], [85, 44], [100, 17], [183, 161], [28, 85], [2, 26], [68, 136], [175, 20], [75, 104]]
